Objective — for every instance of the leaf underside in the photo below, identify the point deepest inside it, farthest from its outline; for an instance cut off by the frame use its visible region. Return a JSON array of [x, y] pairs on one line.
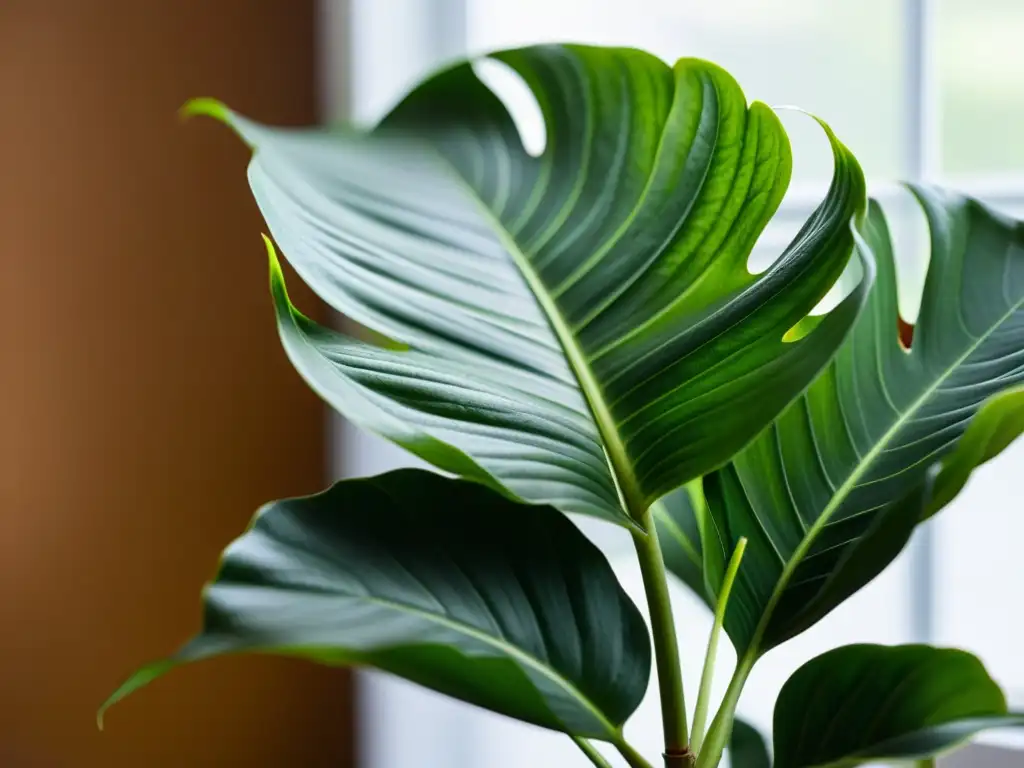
[[442, 582]]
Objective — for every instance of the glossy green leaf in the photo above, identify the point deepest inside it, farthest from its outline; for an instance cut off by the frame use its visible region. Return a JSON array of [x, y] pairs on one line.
[[579, 328], [747, 747], [868, 703], [828, 494], [999, 422], [440, 581]]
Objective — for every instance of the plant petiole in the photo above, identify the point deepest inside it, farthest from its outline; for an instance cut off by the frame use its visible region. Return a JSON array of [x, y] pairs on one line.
[[707, 675], [663, 633]]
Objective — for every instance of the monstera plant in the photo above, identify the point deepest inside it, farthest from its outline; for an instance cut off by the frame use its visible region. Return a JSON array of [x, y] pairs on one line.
[[577, 332]]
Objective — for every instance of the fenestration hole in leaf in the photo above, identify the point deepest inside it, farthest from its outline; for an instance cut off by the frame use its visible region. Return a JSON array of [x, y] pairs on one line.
[[906, 333], [802, 328], [509, 86], [843, 287]]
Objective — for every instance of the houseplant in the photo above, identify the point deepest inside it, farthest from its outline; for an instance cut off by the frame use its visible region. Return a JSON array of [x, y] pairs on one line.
[[578, 332]]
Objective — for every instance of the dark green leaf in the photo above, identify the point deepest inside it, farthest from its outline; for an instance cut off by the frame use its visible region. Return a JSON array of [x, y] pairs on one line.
[[577, 323], [747, 748], [998, 423], [440, 581], [867, 556], [826, 496], [866, 703], [679, 536]]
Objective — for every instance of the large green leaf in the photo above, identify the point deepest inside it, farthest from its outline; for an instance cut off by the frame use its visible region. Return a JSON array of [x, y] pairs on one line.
[[866, 703], [441, 581], [579, 328], [828, 495]]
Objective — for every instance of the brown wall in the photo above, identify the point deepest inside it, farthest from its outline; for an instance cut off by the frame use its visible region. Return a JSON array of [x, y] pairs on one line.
[[146, 408]]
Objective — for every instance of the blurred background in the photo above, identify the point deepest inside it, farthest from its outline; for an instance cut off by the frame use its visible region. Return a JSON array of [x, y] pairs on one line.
[[146, 408]]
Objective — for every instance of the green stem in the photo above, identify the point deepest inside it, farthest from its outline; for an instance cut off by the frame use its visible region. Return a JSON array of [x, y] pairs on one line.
[[629, 753], [721, 726], [926, 763], [590, 751], [700, 714], [666, 647], [695, 490]]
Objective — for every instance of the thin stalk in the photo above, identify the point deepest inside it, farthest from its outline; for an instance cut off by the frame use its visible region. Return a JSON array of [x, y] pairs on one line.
[[700, 714], [721, 726], [926, 763], [695, 490], [629, 753], [590, 751], [666, 647]]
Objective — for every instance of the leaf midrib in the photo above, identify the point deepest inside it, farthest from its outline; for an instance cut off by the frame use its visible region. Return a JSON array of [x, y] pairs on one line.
[[1011, 719], [623, 474], [854, 477], [631, 496], [516, 653], [995, 720]]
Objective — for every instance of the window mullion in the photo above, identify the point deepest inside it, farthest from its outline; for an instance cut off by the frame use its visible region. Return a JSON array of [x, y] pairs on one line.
[[922, 135]]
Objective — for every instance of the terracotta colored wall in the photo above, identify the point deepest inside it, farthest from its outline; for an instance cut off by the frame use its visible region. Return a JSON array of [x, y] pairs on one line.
[[146, 408]]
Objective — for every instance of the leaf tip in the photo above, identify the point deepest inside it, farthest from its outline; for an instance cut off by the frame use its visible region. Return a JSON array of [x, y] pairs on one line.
[[139, 679], [205, 106], [273, 262], [269, 245], [278, 288], [101, 713]]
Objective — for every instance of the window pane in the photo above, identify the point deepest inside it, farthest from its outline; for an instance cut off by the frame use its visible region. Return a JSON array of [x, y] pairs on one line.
[[981, 73], [841, 60], [978, 570]]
